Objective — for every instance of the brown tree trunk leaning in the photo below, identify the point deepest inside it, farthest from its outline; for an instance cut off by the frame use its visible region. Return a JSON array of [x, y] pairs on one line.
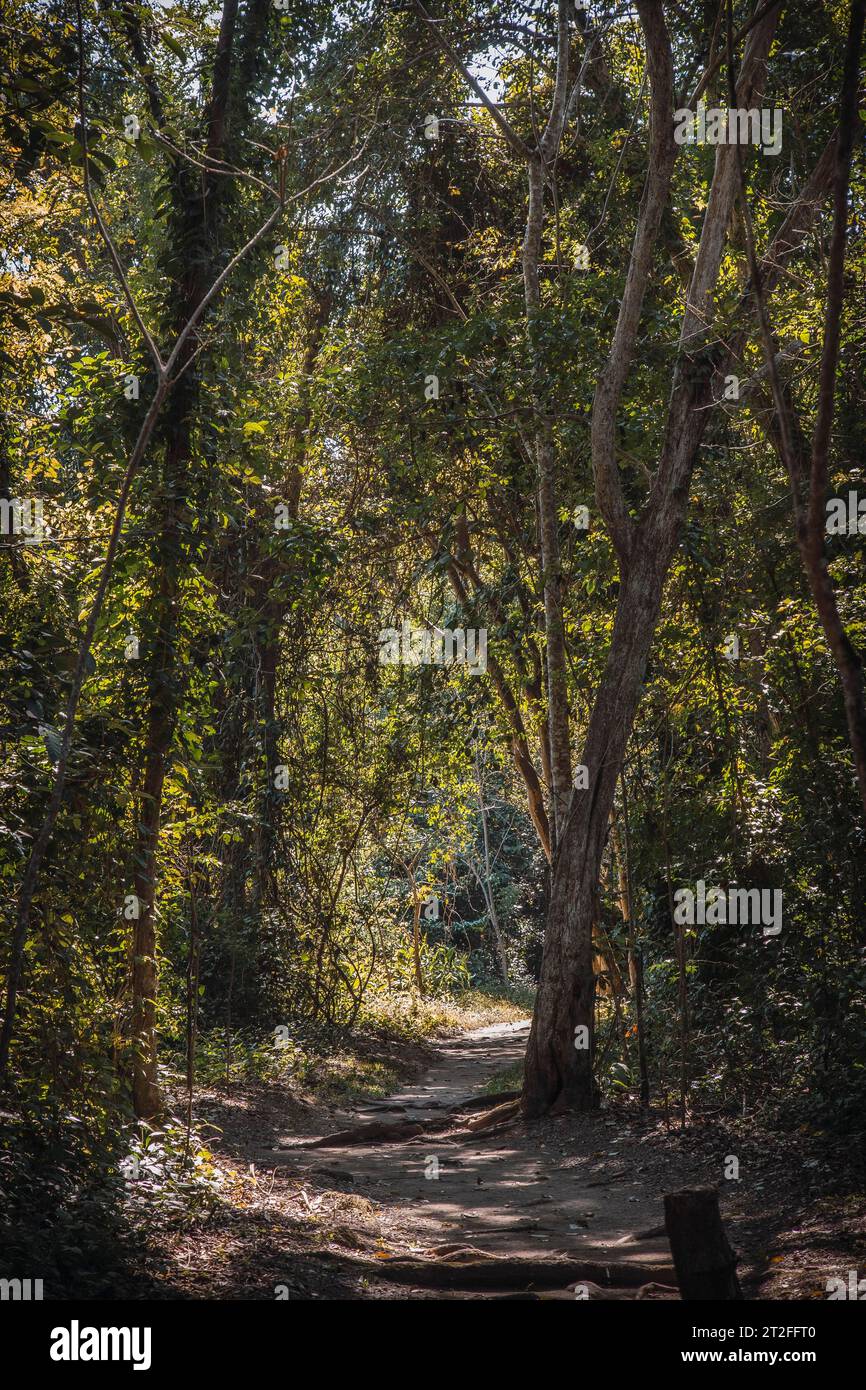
[[706, 1265], [559, 1052], [559, 1062]]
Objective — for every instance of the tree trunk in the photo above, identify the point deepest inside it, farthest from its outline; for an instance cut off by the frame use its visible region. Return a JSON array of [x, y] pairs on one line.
[[192, 270], [622, 847], [558, 735], [706, 1265], [486, 884], [559, 1061], [559, 1055], [416, 941], [145, 1089]]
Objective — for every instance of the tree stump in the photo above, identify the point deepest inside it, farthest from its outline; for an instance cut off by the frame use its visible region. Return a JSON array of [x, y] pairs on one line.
[[704, 1261]]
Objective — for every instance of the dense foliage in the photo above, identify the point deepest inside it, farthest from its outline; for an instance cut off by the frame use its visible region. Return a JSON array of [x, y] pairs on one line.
[[327, 838]]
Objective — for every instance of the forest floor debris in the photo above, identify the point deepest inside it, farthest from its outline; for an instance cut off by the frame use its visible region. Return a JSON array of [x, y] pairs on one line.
[[567, 1194]]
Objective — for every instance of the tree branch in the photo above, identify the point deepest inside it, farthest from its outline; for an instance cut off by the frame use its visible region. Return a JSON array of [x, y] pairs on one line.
[[787, 432], [507, 130], [656, 194], [97, 216]]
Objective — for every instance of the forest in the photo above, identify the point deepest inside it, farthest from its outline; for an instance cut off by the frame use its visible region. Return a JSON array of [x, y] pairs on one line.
[[432, 709]]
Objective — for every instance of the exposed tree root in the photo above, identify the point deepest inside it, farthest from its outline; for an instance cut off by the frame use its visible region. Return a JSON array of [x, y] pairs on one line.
[[376, 1133], [394, 1132], [500, 1115], [472, 1269], [484, 1102]]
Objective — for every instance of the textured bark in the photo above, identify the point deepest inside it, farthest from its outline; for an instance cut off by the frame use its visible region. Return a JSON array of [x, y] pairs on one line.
[[558, 1073], [706, 1265]]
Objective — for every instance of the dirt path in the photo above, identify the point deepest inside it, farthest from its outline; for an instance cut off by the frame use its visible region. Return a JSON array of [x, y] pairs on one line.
[[343, 1222], [559, 1189]]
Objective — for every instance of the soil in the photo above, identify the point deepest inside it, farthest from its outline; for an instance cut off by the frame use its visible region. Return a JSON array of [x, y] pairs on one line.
[[337, 1222]]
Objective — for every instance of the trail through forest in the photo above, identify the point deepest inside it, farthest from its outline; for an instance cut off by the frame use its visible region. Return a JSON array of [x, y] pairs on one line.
[[433, 577], [343, 1202], [483, 1187]]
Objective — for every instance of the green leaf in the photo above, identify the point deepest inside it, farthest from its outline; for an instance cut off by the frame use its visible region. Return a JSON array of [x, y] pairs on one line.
[[172, 43]]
